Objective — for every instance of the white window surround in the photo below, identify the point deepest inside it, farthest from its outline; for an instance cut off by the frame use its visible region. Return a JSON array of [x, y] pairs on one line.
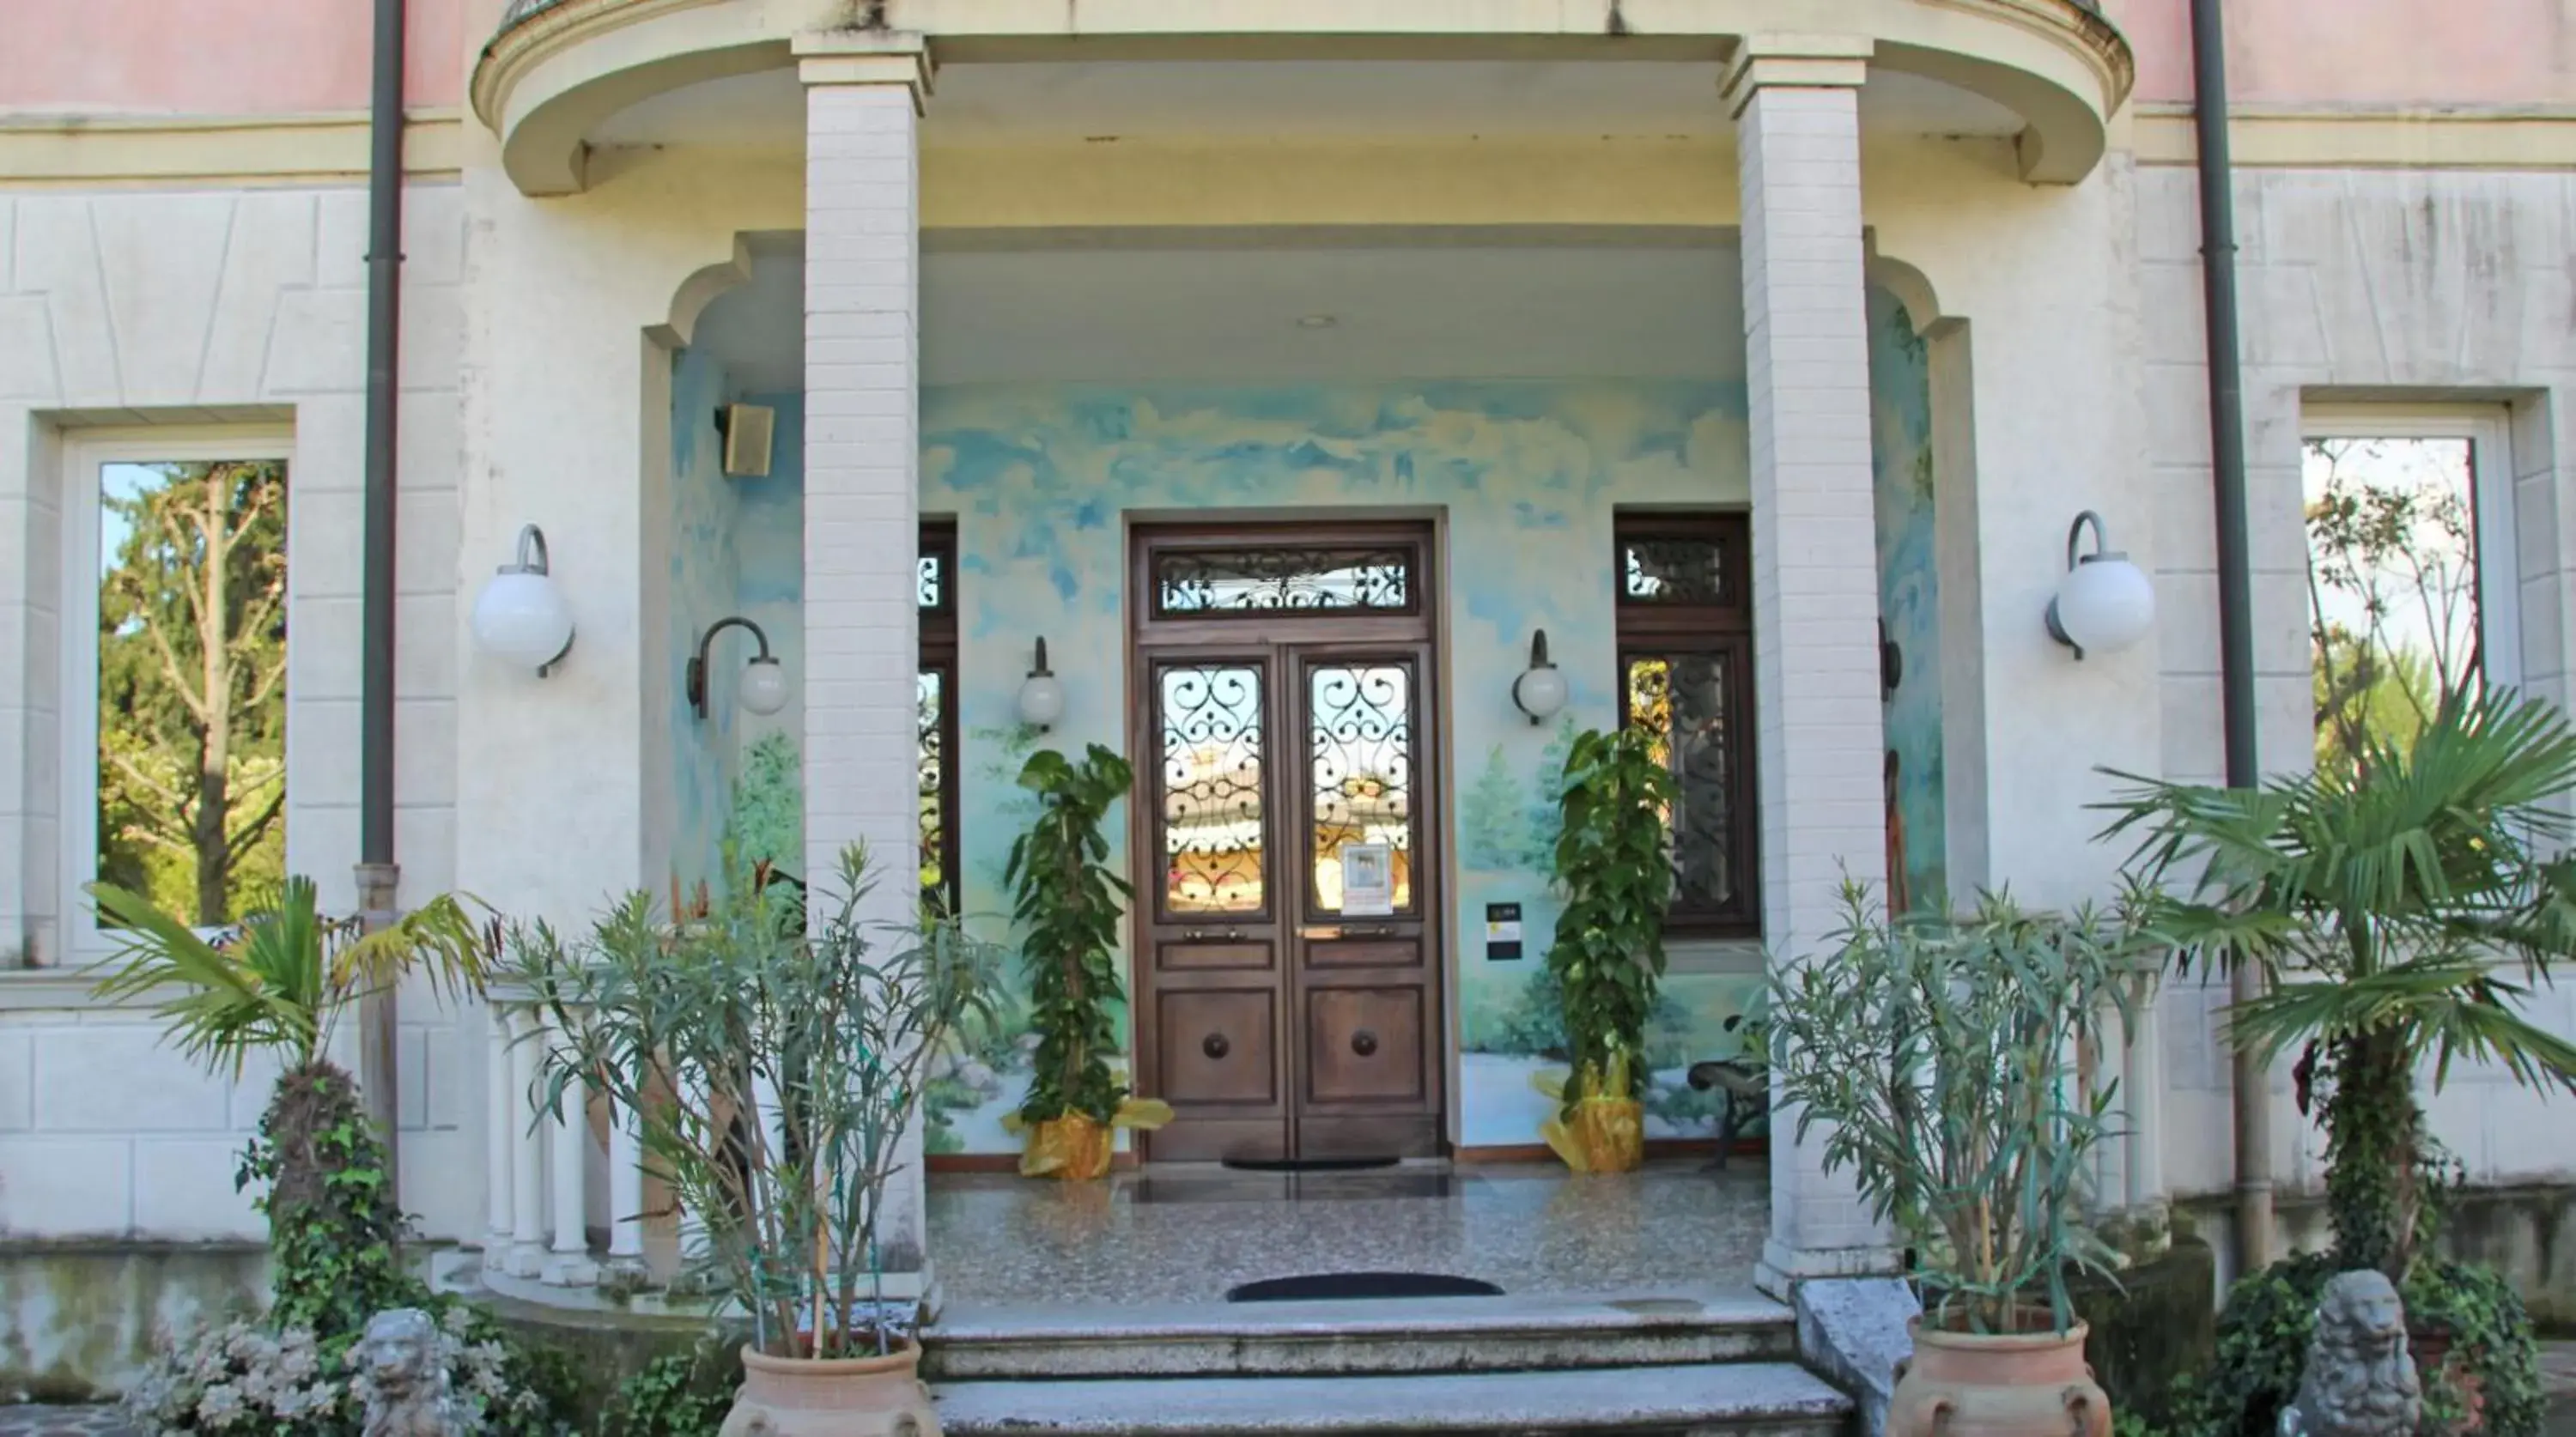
[[2488, 428], [85, 455]]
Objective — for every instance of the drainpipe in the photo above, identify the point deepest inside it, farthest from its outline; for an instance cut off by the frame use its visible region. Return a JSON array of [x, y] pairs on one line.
[[2235, 577], [377, 873]]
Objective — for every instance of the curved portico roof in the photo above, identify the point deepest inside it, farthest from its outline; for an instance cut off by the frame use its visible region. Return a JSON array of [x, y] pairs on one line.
[[556, 69]]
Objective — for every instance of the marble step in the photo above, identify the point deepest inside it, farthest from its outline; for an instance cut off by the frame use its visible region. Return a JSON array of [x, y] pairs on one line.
[[1668, 1327], [1740, 1399]]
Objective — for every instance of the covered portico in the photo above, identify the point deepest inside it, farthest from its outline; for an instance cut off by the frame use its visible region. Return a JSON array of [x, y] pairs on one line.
[[646, 140]]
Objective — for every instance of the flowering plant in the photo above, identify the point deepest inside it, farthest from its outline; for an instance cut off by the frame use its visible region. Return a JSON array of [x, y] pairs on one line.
[[243, 1378]]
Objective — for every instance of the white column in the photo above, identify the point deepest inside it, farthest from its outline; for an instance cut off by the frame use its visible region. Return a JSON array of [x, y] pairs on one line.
[[1815, 574], [625, 1185], [501, 1124], [568, 1136], [528, 1152], [2142, 1095], [863, 100]]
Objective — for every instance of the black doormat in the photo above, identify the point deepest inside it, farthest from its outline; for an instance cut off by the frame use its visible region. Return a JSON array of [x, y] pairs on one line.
[[1328, 1286], [1309, 1165]]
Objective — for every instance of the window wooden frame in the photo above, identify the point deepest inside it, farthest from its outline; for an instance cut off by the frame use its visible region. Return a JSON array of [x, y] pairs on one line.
[[938, 655], [1723, 630]]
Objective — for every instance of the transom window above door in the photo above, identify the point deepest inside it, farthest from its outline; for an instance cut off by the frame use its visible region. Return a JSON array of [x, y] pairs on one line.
[[1212, 583]]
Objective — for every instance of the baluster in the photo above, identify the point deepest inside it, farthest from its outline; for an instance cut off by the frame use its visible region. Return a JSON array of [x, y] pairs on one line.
[[691, 1094], [528, 1156], [569, 1133], [500, 1133], [625, 1186]]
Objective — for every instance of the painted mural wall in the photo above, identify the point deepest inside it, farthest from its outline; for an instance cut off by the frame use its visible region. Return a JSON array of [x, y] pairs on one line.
[[1042, 482]]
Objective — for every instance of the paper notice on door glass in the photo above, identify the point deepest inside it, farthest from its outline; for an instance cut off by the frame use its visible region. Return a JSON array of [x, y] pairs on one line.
[[1368, 880]]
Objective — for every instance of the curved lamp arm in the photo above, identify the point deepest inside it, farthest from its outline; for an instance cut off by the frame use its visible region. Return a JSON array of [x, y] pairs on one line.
[[697, 682]]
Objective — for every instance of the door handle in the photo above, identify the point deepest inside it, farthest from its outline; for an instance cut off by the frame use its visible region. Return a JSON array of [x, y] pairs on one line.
[[1213, 935]]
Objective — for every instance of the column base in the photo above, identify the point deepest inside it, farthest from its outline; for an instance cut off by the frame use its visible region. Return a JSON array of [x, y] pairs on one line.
[[1783, 1267], [570, 1269], [525, 1259]]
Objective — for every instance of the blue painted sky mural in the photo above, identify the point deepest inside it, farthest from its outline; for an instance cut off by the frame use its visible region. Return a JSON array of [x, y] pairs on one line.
[[1523, 477]]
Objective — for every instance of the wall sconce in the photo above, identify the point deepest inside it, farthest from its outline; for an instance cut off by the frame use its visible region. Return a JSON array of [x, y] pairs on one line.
[[1041, 694], [763, 689], [1540, 690], [2104, 603], [520, 616]]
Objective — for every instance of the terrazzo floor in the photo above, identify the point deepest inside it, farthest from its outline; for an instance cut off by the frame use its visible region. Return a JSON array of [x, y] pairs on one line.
[[1186, 1234]]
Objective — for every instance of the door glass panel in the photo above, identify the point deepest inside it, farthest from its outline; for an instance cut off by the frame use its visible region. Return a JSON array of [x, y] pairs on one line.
[[929, 697], [1682, 699], [1359, 721], [1253, 581], [1213, 815]]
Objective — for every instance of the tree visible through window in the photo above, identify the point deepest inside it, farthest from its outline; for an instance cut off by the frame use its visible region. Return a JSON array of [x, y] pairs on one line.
[[1685, 656], [192, 682], [2394, 611], [935, 716]]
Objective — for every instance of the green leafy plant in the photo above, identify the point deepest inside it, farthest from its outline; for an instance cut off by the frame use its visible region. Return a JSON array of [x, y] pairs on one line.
[[1943, 1053], [1608, 953], [2385, 903], [2492, 1373], [1067, 903], [801, 1040], [678, 1394]]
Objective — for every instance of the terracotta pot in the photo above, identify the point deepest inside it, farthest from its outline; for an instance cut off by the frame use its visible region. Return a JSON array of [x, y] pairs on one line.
[[1072, 1147], [841, 1397], [1605, 1135], [1960, 1385]]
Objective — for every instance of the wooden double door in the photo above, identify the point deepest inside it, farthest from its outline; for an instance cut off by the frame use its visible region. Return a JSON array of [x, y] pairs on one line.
[[1289, 996]]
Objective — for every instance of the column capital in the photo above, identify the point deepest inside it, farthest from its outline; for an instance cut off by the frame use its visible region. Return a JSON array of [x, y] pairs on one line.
[[866, 57], [1816, 62]]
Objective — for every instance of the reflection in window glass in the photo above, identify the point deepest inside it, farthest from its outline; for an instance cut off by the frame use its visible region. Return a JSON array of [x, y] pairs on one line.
[[1260, 580], [1360, 735], [192, 683], [2393, 618], [1210, 720], [1682, 699], [929, 697]]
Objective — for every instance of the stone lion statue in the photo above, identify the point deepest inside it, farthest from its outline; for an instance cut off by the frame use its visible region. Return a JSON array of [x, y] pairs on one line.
[[2359, 1380], [405, 1383]]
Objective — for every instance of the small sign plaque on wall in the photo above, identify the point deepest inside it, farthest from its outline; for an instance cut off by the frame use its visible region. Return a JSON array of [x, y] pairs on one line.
[[1502, 932], [1368, 880]]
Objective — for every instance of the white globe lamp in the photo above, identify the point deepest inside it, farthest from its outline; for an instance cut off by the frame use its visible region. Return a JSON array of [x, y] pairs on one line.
[[520, 617], [1041, 694], [2104, 603], [1540, 691]]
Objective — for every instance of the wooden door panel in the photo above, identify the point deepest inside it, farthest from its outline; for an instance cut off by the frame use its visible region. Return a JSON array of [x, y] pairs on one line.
[[1240, 955], [1364, 953], [1217, 1046], [1365, 1045]]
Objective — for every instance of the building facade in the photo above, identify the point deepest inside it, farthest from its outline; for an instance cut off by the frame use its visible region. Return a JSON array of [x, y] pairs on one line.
[[1299, 376]]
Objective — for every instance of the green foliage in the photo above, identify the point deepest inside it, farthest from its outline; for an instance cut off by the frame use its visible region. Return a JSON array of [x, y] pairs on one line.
[[192, 667], [334, 1227], [1067, 902], [802, 1045], [1608, 954], [768, 823], [2494, 1365], [1944, 1053], [282, 980], [679, 1394], [1532, 1025], [2382, 904]]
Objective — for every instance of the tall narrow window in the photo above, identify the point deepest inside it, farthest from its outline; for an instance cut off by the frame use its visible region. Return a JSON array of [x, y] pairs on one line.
[[935, 713], [1685, 672], [175, 676], [2411, 584]]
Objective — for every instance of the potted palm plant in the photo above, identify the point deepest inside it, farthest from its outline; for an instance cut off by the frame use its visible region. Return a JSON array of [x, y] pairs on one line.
[[278, 982], [773, 1056], [1941, 1055], [1608, 953], [1067, 903]]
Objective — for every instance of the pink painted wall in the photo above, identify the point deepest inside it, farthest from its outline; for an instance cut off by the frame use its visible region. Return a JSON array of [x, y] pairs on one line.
[[215, 57], [2341, 53]]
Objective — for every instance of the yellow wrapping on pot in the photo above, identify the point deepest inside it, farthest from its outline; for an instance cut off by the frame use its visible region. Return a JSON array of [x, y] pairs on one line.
[[1075, 1148], [1601, 1134]]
